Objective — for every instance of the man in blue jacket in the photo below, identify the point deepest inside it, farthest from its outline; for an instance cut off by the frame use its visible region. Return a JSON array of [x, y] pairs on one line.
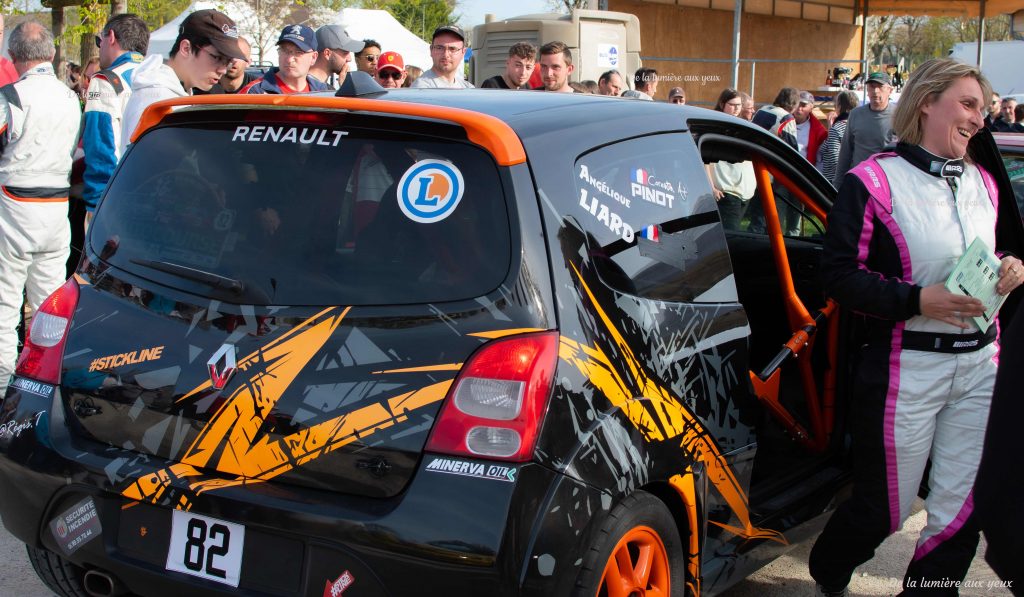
[[123, 44], [297, 51]]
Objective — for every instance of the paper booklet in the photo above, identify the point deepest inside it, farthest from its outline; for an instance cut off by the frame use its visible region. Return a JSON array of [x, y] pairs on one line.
[[976, 274]]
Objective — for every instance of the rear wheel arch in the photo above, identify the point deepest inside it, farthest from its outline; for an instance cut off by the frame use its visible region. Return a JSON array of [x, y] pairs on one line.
[[640, 519]]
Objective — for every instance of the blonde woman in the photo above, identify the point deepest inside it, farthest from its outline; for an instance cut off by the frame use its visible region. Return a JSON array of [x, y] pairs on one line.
[[925, 372]]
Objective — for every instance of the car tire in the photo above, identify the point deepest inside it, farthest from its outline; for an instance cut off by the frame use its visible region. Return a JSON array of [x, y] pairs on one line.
[[61, 576], [639, 522]]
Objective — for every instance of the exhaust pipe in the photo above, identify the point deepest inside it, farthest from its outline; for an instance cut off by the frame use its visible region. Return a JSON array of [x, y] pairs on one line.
[[102, 584]]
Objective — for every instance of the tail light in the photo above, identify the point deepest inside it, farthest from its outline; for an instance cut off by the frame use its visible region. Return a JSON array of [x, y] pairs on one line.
[[44, 344], [497, 403]]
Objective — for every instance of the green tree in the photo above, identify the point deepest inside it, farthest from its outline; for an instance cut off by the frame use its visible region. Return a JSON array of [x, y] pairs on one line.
[[566, 6], [157, 13], [419, 16]]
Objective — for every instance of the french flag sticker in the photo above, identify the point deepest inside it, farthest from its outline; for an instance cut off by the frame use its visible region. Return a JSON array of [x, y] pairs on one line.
[[640, 176], [650, 233]]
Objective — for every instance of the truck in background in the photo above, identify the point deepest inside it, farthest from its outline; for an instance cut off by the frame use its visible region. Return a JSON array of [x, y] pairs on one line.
[[1000, 62]]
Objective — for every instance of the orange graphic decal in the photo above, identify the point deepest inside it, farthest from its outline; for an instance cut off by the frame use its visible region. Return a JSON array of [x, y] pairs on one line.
[[661, 416], [231, 442]]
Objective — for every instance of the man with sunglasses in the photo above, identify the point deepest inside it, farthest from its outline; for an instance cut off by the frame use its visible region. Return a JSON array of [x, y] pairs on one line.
[[207, 44], [390, 70], [296, 51], [367, 57], [123, 44], [447, 49], [335, 49]]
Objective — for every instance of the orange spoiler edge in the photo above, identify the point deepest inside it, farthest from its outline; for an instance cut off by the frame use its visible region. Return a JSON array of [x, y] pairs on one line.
[[489, 132]]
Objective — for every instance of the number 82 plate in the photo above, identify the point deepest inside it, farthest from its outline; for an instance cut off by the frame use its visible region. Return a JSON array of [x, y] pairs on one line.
[[206, 547]]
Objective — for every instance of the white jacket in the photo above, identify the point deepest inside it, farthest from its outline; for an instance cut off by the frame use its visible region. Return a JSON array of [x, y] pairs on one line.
[[153, 81], [39, 122]]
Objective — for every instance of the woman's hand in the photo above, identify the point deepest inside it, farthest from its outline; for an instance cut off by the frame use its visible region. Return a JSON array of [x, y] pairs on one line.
[[1011, 274], [941, 304]]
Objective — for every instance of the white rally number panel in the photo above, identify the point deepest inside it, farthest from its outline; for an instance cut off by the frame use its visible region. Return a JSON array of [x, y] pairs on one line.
[[206, 547]]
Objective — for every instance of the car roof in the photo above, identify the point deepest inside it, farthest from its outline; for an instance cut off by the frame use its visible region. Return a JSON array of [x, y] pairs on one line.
[[577, 121], [530, 113], [1015, 140]]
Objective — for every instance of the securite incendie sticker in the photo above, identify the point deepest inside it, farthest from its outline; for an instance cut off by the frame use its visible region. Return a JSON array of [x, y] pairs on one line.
[[76, 526], [466, 468]]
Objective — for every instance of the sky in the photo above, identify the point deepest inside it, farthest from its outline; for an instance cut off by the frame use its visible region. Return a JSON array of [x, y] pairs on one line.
[[473, 11]]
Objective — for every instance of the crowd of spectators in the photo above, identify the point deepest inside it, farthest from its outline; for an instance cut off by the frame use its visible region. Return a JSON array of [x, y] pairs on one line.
[[92, 115]]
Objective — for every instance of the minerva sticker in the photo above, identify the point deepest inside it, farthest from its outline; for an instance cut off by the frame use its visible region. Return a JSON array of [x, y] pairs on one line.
[[430, 190], [465, 468]]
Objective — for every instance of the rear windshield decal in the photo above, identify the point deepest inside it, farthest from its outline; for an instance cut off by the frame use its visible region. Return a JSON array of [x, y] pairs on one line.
[[602, 187], [607, 217], [287, 134], [653, 190], [430, 190]]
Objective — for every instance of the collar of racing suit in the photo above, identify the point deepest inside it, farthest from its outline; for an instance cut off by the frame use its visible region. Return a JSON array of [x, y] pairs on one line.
[[927, 161]]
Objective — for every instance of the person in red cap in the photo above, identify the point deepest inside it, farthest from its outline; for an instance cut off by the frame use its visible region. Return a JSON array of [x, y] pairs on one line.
[[390, 70], [7, 72], [206, 46]]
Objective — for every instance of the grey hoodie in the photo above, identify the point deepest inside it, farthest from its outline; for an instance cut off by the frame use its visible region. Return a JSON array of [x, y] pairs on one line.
[[153, 81]]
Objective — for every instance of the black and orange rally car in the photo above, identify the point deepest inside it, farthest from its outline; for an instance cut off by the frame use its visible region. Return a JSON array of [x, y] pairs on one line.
[[431, 343]]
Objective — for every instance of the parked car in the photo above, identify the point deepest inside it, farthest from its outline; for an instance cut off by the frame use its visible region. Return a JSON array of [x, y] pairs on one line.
[[1011, 147], [477, 343]]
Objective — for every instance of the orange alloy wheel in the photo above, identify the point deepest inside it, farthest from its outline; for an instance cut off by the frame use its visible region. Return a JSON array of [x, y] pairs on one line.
[[637, 567]]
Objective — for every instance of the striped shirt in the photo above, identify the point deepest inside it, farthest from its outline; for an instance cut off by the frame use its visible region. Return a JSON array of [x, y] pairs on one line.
[[828, 155]]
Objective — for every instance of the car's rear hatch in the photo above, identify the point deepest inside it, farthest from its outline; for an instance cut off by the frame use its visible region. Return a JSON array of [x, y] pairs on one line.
[[287, 296]]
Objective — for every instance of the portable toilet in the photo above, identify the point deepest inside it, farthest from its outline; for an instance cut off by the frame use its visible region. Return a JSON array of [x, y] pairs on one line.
[[599, 40]]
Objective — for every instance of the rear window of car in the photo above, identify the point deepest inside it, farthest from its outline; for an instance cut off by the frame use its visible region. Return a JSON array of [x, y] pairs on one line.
[[290, 213]]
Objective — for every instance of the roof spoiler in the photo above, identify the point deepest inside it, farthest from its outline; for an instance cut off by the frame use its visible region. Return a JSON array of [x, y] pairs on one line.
[[358, 84]]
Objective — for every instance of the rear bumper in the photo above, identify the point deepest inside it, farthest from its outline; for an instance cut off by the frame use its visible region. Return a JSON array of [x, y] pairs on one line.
[[446, 532]]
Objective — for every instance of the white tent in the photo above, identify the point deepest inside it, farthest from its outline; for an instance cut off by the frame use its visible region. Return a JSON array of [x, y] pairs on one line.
[[360, 23], [161, 40]]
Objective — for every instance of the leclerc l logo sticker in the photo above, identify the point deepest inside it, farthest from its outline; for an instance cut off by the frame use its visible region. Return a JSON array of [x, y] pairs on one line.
[[430, 190], [222, 366]]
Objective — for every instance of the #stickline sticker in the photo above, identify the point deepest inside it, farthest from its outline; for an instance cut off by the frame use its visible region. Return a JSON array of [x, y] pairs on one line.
[[430, 190]]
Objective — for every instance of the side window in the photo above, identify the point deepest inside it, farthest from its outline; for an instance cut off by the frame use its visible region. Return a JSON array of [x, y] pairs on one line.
[[739, 194], [1015, 168], [651, 219]]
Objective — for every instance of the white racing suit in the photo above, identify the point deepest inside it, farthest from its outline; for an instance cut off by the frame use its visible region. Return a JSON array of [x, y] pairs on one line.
[[39, 122], [921, 388]]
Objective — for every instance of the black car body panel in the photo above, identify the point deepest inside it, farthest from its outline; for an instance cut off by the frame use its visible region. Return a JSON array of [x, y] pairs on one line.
[[315, 441]]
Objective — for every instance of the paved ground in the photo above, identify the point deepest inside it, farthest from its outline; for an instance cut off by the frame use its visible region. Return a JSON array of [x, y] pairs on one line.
[[787, 576]]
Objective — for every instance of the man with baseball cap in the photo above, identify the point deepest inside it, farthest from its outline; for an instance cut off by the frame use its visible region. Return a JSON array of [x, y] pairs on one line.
[[676, 95], [390, 70], [810, 133], [869, 128], [335, 50], [296, 52], [447, 49], [206, 46]]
